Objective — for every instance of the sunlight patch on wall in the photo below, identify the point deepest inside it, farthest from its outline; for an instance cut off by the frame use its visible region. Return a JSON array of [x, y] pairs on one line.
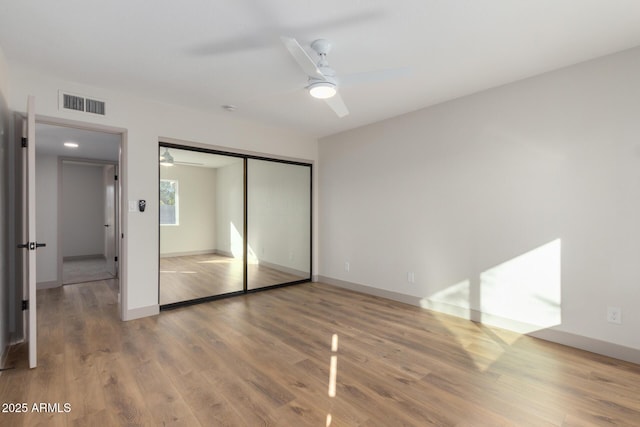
[[237, 245], [454, 300], [525, 289], [522, 294]]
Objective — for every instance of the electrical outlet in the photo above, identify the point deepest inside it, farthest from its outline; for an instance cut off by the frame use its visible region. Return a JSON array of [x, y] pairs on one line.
[[614, 315], [347, 266], [411, 277]]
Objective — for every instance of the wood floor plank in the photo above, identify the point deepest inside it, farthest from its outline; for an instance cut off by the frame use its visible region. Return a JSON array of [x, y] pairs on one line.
[[163, 400], [265, 359]]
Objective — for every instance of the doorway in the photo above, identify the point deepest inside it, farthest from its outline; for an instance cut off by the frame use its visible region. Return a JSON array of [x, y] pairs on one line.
[[87, 226], [230, 224], [77, 204]]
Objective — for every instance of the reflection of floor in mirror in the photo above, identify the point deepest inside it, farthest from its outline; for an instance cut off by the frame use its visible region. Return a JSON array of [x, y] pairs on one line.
[[183, 278], [85, 270]]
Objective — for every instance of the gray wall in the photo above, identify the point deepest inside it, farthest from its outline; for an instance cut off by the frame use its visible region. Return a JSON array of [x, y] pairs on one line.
[[82, 210], [541, 174], [5, 212], [47, 217]]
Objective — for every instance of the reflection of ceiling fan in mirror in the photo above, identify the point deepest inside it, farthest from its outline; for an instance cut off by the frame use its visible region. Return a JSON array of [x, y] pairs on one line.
[[166, 159]]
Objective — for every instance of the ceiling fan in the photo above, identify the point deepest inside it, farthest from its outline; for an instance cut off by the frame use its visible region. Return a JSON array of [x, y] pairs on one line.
[[322, 81], [166, 159]]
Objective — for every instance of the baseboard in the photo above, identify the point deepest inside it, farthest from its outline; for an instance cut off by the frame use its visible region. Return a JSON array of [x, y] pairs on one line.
[[382, 293], [12, 340], [4, 355], [188, 253], [140, 312], [285, 269], [592, 345], [48, 285], [15, 338], [83, 257]]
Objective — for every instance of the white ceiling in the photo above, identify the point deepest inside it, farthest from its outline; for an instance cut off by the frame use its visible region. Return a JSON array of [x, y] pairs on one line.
[[91, 145], [206, 53]]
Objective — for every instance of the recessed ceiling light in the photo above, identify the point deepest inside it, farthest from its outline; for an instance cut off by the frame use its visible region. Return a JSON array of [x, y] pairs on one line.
[[71, 144]]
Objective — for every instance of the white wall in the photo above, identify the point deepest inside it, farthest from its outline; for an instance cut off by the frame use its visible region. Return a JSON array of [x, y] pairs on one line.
[[230, 209], [278, 213], [453, 192], [47, 218], [196, 232], [82, 210], [145, 123]]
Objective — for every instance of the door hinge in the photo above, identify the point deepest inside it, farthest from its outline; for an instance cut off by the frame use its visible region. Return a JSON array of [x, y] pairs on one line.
[[115, 178], [24, 141], [25, 304], [115, 259]]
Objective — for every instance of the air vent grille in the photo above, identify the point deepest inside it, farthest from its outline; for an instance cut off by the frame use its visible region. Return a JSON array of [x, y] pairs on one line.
[[68, 101], [72, 102], [94, 106]]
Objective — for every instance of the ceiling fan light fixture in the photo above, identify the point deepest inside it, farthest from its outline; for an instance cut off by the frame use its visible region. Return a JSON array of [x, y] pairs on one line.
[[166, 159], [322, 89]]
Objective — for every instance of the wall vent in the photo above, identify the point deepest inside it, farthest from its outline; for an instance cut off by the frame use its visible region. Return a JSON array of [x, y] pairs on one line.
[[70, 101]]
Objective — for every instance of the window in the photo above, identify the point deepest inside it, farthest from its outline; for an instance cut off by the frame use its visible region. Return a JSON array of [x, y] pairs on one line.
[[169, 202]]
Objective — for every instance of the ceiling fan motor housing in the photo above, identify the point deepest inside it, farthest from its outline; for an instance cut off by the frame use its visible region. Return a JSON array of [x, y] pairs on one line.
[[321, 46]]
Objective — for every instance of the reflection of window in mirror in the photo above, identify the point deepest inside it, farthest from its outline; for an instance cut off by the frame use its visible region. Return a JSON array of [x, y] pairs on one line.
[[169, 213]]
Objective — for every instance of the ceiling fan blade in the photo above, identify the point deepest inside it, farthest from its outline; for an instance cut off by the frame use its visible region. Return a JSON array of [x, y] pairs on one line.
[[374, 76], [337, 105], [302, 57]]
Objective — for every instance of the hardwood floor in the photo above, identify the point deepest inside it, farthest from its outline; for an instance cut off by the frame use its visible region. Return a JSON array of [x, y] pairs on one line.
[[185, 278], [266, 358]]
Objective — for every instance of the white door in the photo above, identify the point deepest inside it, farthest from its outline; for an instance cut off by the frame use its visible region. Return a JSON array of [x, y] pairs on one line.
[[110, 218], [29, 232]]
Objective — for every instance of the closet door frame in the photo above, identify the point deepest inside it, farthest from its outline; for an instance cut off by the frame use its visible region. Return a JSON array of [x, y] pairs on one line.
[[162, 144]]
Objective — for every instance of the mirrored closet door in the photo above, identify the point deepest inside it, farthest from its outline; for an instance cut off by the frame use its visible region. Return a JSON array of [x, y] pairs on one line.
[[278, 223], [201, 225], [230, 224]]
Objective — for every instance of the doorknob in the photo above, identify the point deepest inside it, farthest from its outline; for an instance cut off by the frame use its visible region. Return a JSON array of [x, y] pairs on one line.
[[32, 246]]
